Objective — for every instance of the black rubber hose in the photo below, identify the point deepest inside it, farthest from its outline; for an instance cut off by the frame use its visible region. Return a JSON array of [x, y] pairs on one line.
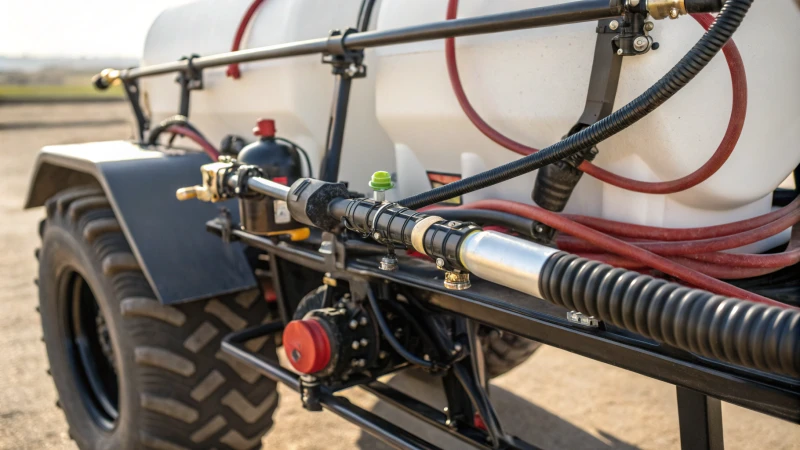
[[389, 335], [485, 217], [727, 329], [152, 136], [688, 67]]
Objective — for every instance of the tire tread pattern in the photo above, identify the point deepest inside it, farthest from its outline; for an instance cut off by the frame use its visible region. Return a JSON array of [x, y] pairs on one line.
[[192, 395]]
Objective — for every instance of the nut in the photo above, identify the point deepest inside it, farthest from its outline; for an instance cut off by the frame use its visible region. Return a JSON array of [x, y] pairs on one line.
[[614, 25], [641, 44]]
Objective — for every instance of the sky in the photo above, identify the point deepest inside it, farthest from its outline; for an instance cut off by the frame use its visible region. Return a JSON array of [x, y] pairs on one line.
[[77, 28]]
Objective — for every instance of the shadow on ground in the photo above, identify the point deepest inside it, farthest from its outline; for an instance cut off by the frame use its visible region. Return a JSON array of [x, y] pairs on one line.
[[519, 417]]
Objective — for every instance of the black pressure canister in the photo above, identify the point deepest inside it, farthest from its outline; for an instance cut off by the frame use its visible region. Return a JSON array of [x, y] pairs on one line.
[[280, 163]]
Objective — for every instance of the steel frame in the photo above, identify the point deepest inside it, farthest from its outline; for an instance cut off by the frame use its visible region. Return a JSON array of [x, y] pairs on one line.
[[701, 383]]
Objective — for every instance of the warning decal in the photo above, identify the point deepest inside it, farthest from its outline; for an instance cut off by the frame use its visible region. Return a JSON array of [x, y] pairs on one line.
[[439, 179]]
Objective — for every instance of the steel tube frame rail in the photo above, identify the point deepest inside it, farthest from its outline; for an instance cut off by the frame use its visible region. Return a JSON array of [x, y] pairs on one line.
[[523, 315], [376, 426], [573, 12]]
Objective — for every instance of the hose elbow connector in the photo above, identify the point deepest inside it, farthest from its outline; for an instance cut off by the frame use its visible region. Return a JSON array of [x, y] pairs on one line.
[[727, 329]]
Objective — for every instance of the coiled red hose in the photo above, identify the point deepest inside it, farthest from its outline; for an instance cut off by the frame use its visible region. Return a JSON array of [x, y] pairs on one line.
[[720, 156], [682, 234], [233, 69], [622, 248]]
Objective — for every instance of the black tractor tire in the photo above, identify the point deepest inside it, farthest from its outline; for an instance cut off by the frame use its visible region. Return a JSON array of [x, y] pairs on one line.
[[129, 371], [504, 351]]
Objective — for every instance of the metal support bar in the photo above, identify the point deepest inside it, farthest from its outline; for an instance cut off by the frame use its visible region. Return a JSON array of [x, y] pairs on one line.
[[577, 11], [700, 420], [131, 88], [378, 427], [346, 65], [189, 79]]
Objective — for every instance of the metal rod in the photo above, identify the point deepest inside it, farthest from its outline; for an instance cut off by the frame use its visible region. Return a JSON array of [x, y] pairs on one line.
[[700, 421], [329, 170], [378, 427], [263, 186], [579, 11], [573, 12]]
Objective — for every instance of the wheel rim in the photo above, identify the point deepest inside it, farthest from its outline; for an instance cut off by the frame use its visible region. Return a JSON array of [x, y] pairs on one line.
[[89, 350]]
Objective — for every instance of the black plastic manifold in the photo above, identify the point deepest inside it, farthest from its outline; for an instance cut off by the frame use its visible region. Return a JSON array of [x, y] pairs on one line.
[[737, 331]]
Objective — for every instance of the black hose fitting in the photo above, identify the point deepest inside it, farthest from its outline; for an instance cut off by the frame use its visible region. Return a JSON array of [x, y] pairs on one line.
[[737, 331], [728, 21]]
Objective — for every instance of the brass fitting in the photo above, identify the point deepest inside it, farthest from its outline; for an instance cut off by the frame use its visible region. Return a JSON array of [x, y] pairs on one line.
[[662, 9], [213, 188], [106, 78]]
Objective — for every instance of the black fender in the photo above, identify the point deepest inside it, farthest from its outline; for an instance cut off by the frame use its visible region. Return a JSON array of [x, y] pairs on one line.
[[181, 260]]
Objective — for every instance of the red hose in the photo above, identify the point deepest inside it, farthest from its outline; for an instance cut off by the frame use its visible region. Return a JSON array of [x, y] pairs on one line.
[[712, 270], [682, 234], [621, 248], [233, 69], [702, 245], [210, 150], [720, 156]]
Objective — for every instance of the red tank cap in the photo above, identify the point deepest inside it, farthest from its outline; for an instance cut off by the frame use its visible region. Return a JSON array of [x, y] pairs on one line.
[[307, 345], [265, 128]]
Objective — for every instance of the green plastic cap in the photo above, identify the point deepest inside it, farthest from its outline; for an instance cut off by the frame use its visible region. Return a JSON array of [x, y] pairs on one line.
[[381, 181]]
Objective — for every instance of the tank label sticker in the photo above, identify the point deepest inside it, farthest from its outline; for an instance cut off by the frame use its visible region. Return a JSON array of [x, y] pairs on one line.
[[438, 179], [281, 209]]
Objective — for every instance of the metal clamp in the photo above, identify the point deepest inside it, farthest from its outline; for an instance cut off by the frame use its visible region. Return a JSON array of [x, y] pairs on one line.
[[190, 79], [347, 63]]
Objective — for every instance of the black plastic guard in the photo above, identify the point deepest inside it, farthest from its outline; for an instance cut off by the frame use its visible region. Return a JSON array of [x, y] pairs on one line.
[[181, 260]]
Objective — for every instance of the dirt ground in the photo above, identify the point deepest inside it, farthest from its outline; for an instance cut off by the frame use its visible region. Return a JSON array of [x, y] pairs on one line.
[[555, 400]]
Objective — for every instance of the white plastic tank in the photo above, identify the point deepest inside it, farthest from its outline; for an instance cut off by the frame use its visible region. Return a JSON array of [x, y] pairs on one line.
[[295, 92], [529, 84]]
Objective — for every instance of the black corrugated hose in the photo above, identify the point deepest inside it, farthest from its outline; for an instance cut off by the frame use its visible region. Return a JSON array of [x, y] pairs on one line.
[[727, 329], [688, 67]]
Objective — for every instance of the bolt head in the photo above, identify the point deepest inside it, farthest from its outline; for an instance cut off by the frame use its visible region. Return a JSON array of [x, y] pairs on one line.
[[364, 342], [354, 345], [458, 347], [619, 52], [427, 357], [439, 262], [376, 236], [641, 43], [353, 324], [452, 224], [382, 355], [649, 26], [614, 25], [674, 13], [362, 321]]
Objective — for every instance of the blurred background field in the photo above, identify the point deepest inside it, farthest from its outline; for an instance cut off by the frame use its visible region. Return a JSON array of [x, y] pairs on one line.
[[31, 79]]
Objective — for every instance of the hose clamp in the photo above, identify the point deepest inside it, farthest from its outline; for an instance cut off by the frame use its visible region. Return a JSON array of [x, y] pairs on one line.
[[419, 230]]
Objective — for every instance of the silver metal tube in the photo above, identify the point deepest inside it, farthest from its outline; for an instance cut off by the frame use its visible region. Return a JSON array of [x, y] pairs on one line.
[[308, 47], [505, 260], [263, 186], [561, 14]]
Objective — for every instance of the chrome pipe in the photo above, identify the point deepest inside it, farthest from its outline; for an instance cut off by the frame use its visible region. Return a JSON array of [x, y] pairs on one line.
[[505, 260], [263, 186]]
